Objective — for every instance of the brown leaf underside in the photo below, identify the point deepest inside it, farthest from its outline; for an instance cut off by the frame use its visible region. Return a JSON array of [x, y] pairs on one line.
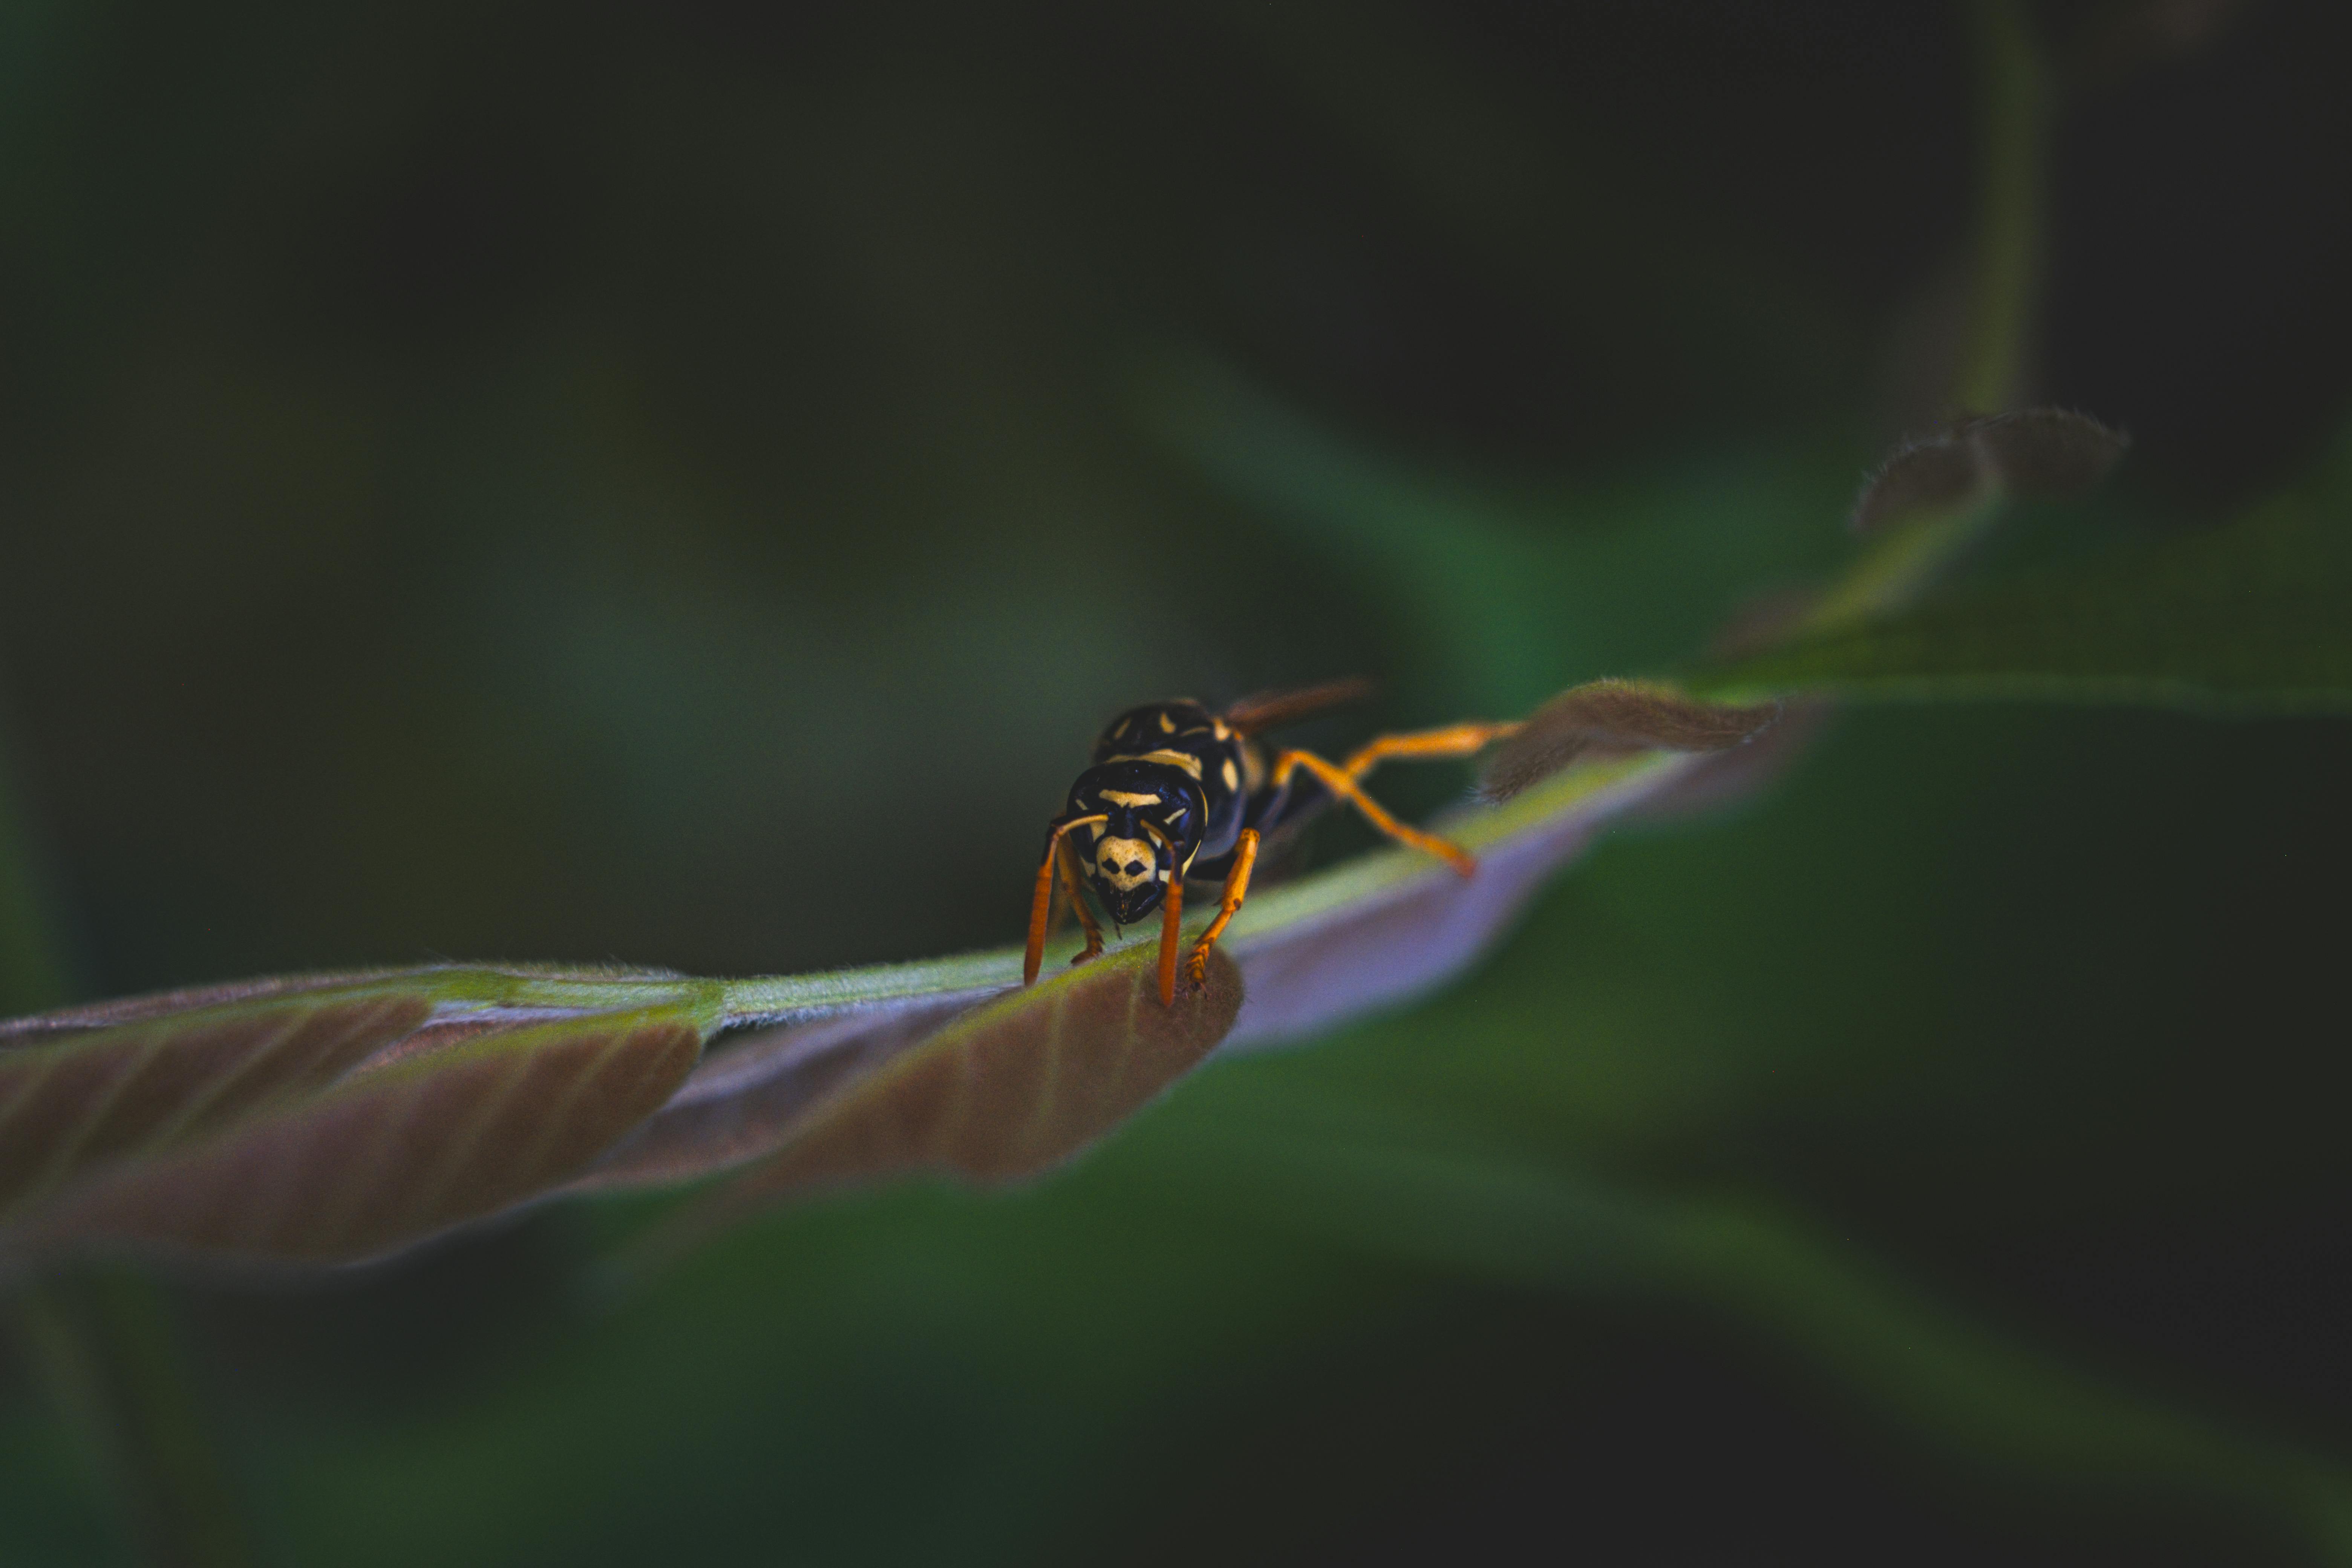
[[2031, 453], [1013, 1089], [748, 1100], [83, 1099], [1614, 716], [392, 1155]]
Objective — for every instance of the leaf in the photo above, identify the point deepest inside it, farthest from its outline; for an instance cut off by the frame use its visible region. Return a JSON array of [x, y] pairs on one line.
[[113, 1094], [1606, 717], [333, 1119], [1386, 1181], [1008, 1091], [1518, 588], [1018, 1087], [2038, 454], [398, 1154], [327, 1119], [2257, 614], [1936, 475], [2033, 453], [1311, 955], [747, 1098]]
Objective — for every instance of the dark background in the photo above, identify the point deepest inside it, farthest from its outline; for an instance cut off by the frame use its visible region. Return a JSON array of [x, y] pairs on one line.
[[683, 483]]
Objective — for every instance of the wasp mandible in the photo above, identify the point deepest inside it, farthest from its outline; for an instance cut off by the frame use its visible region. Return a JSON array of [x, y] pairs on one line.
[[1174, 789]]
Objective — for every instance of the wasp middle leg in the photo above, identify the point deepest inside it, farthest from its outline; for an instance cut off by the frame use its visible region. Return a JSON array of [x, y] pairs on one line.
[[1073, 885]]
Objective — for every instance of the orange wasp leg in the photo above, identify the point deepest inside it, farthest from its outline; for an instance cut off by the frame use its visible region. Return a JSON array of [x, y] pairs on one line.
[[1070, 882], [1453, 741], [1339, 783], [1041, 907], [1171, 916], [1237, 880]]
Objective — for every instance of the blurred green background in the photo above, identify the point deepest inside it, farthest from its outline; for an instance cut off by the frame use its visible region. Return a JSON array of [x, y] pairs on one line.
[[683, 483]]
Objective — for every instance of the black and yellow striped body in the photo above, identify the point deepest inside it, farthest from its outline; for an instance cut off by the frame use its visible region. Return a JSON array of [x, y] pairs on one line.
[[1174, 789], [1172, 783], [1184, 735]]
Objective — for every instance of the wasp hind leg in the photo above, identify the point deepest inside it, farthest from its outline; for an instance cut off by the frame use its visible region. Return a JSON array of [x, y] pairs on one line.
[[1453, 741]]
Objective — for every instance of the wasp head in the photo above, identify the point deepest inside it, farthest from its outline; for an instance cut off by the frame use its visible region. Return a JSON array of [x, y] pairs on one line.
[[1152, 814]]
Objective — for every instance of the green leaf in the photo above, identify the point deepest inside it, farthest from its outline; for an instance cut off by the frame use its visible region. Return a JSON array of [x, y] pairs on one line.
[[1519, 589], [1390, 1181], [2254, 615]]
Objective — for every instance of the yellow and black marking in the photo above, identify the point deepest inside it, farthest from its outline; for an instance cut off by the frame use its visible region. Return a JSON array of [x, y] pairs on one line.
[[1175, 787]]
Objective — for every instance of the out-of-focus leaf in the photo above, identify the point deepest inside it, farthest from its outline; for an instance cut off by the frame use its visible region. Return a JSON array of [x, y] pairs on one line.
[[327, 1117], [2031, 454], [1606, 717], [109, 1095], [1523, 588], [2037, 454], [396, 1154], [1391, 1183], [1929, 476], [2257, 614]]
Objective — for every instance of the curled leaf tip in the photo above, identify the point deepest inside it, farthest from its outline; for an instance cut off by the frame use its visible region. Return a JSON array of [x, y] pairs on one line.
[[1938, 474], [2039, 452], [1608, 716], [2031, 452]]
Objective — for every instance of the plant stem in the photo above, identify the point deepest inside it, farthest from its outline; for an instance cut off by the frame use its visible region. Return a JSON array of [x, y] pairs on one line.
[[105, 1351], [101, 1344], [2013, 112]]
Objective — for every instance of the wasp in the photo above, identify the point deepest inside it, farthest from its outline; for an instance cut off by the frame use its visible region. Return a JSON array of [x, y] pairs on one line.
[[1177, 791]]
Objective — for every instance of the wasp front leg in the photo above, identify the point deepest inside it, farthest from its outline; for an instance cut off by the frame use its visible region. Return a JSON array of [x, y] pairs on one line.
[[1072, 883], [1041, 903], [1237, 880]]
